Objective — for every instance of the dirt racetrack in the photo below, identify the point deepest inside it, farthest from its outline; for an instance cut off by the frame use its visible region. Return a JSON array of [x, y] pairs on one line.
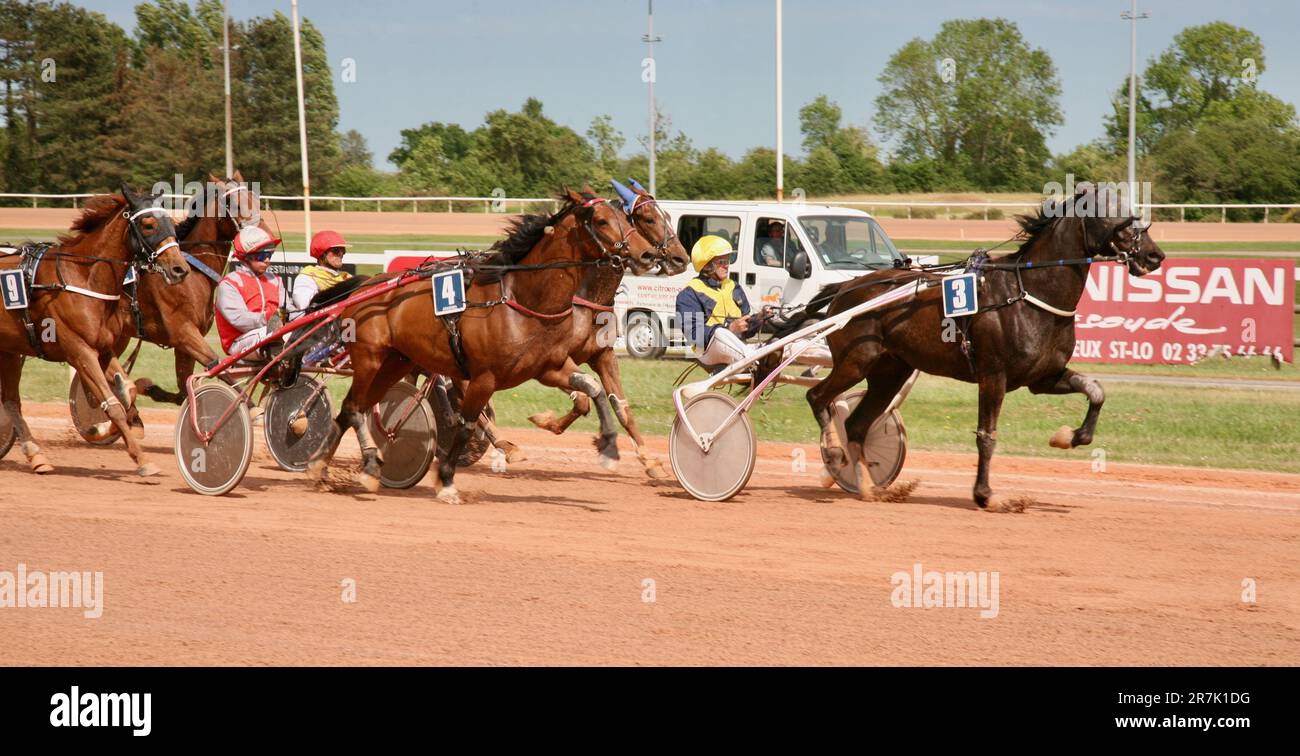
[[546, 563]]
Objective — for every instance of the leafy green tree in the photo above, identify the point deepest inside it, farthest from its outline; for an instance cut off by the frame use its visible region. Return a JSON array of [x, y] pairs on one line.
[[353, 150], [607, 140], [976, 99], [453, 140]]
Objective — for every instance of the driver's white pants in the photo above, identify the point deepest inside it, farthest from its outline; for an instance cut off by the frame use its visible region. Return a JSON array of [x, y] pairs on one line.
[[247, 340], [725, 348]]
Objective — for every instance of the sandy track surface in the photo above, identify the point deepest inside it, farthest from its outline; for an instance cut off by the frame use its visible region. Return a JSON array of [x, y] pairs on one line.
[[546, 563]]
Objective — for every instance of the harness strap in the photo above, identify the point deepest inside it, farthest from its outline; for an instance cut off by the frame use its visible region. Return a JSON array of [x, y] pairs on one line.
[[89, 293], [1035, 301], [533, 313], [201, 267], [592, 305]]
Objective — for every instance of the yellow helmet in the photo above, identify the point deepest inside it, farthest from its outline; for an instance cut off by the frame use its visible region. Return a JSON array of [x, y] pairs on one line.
[[707, 248]]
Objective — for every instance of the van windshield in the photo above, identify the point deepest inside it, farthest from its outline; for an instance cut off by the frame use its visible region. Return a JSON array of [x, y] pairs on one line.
[[847, 242]]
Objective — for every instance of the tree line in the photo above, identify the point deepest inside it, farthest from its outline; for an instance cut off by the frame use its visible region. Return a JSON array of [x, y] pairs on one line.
[[970, 109]]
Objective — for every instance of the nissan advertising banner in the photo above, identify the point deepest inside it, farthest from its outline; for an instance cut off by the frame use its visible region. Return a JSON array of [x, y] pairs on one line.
[[1184, 310]]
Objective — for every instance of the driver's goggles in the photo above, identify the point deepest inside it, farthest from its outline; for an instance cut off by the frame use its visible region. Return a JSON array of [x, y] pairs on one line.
[[261, 255]]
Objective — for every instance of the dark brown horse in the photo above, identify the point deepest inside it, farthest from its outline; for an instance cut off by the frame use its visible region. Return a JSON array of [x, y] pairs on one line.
[[75, 292], [1022, 336], [594, 333], [517, 325]]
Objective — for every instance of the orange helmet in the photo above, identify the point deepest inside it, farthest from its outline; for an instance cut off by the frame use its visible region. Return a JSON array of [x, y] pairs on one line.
[[324, 241]]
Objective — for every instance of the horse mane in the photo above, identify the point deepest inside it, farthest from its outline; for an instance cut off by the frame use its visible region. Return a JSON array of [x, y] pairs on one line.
[[193, 213], [1032, 227], [99, 211], [523, 233]]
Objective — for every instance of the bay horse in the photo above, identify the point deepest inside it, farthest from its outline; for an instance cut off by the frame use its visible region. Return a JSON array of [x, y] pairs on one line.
[[516, 325], [181, 316], [74, 292], [594, 334], [1021, 337]]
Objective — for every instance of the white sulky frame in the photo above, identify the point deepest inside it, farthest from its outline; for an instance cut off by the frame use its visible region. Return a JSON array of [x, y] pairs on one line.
[[829, 325]]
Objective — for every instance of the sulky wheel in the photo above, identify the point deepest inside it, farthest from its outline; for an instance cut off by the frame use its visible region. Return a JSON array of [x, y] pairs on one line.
[[723, 470], [215, 467], [297, 422], [7, 433], [403, 428], [87, 416], [884, 449], [478, 443]]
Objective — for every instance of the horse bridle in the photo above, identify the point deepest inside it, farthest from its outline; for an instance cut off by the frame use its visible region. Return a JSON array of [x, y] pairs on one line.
[[618, 252], [661, 247], [144, 247]]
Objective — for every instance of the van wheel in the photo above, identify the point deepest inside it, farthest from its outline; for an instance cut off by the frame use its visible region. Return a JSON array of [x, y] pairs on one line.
[[644, 337]]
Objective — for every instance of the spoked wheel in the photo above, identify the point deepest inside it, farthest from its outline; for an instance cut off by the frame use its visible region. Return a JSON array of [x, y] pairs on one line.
[[86, 415], [215, 467], [297, 423], [7, 433], [722, 471], [409, 452], [884, 449], [478, 443]]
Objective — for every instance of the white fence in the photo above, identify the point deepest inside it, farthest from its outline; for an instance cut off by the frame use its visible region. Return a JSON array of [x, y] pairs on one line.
[[504, 204]]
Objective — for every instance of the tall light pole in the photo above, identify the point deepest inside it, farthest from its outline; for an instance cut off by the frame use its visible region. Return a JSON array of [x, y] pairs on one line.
[[650, 39], [302, 125], [780, 134], [1132, 17], [225, 51]]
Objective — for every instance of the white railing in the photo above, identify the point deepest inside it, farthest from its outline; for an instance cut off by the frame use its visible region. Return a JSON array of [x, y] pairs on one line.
[[502, 204]]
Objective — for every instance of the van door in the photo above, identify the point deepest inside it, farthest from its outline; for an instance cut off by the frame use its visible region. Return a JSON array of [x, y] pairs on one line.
[[776, 240]]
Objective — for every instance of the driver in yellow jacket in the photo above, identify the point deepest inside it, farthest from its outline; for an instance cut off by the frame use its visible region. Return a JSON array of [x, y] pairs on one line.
[[712, 311]]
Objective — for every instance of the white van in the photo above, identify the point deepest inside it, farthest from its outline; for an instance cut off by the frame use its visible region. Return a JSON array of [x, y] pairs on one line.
[[821, 245]]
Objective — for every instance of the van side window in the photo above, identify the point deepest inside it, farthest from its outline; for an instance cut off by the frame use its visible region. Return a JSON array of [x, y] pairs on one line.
[[691, 227], [773, 246]]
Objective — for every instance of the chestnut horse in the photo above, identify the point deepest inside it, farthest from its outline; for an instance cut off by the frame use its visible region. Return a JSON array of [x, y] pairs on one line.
[[74, 293], [1021, 336], [594, 333], [180, 316], [516, 326]]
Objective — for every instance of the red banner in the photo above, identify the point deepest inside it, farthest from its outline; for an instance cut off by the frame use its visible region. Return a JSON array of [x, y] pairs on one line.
[[1186, 310]]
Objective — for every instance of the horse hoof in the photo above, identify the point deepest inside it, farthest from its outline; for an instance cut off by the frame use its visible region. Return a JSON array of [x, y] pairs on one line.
[[40, 465], [316, 470], [1063, 438], [513, 453], [544, 420], [607, 462], [142, 386], [369, 482], [299, 425], [147, 470], [655, 469], [826, 480], [448, 495]]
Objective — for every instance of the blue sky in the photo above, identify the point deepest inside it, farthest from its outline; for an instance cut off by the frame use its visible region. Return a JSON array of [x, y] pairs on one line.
[[434, 60]]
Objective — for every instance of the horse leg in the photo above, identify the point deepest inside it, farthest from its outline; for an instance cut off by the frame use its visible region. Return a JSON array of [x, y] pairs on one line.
[[88, 363], [11, 373], [581, 402], [606, 364], [511, 451], [357, 414], [119, 382], [883, 383], [844, 376], [993, 388], [476, 394], [1071, 382]]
